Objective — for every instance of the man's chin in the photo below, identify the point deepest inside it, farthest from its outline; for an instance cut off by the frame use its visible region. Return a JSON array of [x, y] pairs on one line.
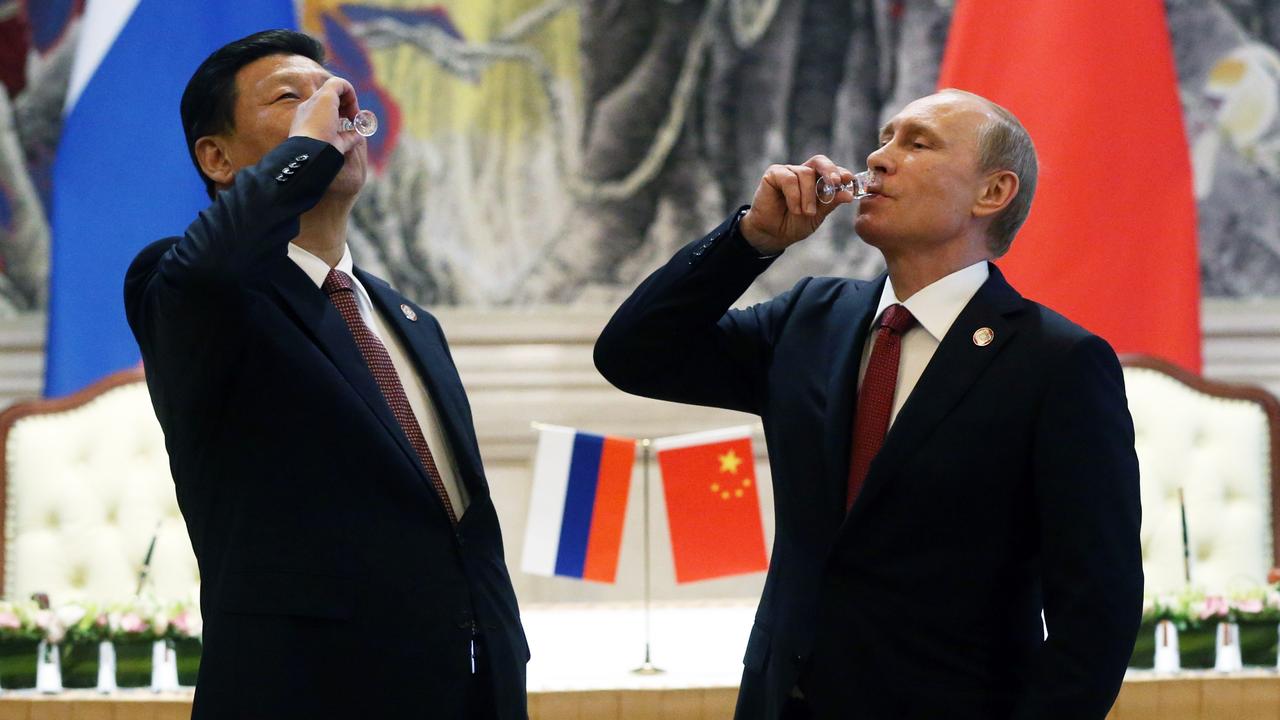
[[867, 231]]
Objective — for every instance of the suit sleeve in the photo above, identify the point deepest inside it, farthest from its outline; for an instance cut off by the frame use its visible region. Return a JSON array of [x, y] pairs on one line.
[[246, 225], [1086, 484], [676, 339], [180, 294]]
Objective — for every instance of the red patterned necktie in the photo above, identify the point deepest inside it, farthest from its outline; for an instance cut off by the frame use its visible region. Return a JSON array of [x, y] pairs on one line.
[[875, 401], [341, 292]]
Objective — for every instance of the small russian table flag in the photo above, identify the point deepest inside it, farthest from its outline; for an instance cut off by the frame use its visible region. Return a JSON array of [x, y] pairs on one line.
[[578, 502]]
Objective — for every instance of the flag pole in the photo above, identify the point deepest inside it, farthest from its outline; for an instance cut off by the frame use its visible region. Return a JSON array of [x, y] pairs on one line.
[[648, 668]]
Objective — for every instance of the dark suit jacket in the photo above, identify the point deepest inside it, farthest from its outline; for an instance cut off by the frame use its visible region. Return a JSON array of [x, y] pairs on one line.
[[332, 582], [1007, 483]]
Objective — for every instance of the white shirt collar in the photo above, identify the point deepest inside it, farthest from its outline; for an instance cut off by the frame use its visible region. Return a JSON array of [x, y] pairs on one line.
[[938, 304], [318, 269]]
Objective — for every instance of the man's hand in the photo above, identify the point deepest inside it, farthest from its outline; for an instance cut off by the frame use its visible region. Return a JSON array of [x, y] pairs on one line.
[[785, 209], [318, 116]]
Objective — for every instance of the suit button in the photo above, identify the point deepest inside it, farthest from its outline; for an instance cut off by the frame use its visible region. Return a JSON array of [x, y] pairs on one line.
[[462, 620], [281, 178], [798, 659], [286, 171], [293, 165], [302, 158]]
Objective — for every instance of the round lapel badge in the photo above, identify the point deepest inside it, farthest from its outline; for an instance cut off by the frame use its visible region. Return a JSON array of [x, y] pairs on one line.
[[409, 313], [982, 337]]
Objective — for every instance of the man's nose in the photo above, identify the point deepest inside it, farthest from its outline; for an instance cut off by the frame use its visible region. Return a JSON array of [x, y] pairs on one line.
[[880, 161]]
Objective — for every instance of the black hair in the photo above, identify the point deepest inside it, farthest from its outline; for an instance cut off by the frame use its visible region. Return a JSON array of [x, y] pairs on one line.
[[209, 101]]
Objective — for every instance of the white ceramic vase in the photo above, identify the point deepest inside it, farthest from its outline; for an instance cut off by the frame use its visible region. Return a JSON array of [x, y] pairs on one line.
[[1226, 648], [1167, 657], [48, 668], [164, 667], [106, 667]]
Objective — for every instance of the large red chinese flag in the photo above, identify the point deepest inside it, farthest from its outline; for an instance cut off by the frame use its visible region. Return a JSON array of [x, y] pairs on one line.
[[1111, 239], [713, 510]]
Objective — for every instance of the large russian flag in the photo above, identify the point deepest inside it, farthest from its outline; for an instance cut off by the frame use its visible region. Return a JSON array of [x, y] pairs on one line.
[[578, 503], [122, 177]]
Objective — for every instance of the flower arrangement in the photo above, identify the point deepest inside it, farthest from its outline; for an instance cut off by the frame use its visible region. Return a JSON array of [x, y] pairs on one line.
[[20, 635], [1253, 606], [78, 629], [179, 621], [1196, 615], [1177, 609], [84, 628], [1193, 608], [131, 628], [17, 622]]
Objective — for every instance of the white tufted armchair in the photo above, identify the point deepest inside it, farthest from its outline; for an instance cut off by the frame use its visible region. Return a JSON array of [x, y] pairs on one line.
[[1219, 443], [85, 484]]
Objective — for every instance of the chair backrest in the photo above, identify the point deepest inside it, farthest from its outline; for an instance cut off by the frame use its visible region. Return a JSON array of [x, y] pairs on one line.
[[1219, 443], [85, 486]]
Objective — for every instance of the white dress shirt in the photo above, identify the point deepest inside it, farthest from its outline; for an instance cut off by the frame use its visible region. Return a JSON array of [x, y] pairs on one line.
[[935, 308], [423, 409]]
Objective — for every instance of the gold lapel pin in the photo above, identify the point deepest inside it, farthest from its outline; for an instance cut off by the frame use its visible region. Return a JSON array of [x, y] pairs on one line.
[[409, 313], [983, 336]]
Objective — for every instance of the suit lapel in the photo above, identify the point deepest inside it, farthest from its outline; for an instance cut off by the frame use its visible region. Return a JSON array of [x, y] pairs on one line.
[[850, 316], [431, 360], [954, 368], [325, 325]]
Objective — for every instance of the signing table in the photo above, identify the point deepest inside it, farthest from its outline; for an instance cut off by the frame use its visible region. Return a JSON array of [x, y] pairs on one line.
[[583, 655]]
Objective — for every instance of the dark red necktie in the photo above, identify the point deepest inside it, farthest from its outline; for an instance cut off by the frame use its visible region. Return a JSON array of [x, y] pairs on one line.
[[341, 292], [875, 401]]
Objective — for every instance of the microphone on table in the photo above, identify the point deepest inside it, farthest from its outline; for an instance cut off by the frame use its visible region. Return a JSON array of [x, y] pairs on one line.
[[146, 561], [1186, 539]]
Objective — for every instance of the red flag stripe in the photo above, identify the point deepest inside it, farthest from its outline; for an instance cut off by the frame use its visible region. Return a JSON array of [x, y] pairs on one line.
[[610, 509]]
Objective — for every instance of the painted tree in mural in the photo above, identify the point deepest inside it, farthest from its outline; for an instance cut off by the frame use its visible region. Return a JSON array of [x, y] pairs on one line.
[[36, 44], [684, 103], [553, 151]]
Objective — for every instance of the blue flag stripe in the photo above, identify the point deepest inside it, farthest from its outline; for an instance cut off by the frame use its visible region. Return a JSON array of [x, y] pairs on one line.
[[579, 504], [123, 179]]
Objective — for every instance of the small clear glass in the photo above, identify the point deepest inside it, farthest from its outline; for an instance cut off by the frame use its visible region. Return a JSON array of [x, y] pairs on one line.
[[860, 186], [365, 123]]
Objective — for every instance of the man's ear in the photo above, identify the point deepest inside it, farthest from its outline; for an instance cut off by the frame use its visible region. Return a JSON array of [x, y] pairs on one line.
[[997, 192], [215, 162]]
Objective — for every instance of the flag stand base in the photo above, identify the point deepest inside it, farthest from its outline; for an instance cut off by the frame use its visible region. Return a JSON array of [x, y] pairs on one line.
[[648, 668]]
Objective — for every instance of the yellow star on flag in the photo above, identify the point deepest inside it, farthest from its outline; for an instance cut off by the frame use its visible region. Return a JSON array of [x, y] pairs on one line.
[[729, 462]]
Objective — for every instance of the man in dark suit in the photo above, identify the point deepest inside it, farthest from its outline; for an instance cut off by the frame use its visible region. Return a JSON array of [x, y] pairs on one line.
[[321, 442], [949, 459]]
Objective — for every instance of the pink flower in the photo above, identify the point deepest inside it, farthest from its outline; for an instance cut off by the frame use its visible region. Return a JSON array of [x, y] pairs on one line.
[[132, 623], [10, 621], [1249, 606], [1214, 606], [183, 623]]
